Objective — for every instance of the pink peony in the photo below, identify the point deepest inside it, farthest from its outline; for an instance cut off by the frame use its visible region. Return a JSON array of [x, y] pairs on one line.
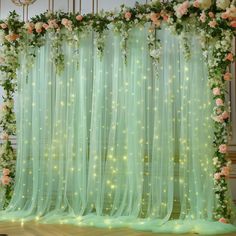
[[217, 176], [227, 76], [211, 14], [5, 180], [225, 171], [233, 23], [128, 15], [3, 25], [223, 148], [212, 24], [196, 4], [203, 17], [219, 102], [225, 115], [223, 220], [229, 57], [79, 17], [5, 171], [216, 91]]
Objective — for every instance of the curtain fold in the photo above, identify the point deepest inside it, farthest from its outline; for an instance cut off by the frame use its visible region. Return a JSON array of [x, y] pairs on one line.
[[109, 144]]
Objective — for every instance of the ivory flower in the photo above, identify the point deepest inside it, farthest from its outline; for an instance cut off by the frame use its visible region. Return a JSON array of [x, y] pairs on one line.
[[3, 25], [205, 4], [222, 4], [217, 176]]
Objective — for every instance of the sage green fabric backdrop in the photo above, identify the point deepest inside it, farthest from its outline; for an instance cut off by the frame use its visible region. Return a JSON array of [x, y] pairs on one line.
[[110, 145]]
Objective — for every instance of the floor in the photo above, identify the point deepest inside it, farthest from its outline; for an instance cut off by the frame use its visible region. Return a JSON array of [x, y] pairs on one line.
[[32, 229]]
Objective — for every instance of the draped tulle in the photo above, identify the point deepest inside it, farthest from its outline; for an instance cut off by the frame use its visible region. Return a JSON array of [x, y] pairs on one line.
[[110, 145]]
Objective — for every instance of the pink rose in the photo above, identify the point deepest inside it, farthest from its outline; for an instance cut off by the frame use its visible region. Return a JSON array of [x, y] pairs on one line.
[[216, 91], [219, 102], [212, 24], [223, 220], [229, 57], [45, 26], [225, 171], [225, 15], [79, 17], [128, 15], [182, 9], [227, 76], [233, 23], [211, 14], [5, 171], [52, 24], [223, 148], [3, 25], [217, 176], [196, 4], [203, 17], [165, 17], [38, 30], [5, 180], [154, 17], [225, 115]]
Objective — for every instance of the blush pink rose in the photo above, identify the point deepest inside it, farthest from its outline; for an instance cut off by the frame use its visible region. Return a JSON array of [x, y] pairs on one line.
[[5, 180], [203, 17], [182, 9], [223, 148], [223, 220], [212, 24], [5, 171], [128, 15], [3, 25], [196, 4], [217, 176], [79, 17], [38, 30], [45, 26], [64, 21], [227, 76], [225, 15], [211, 14], [225, 115], [216, 91], [225, 171], [219, 102], [233, 23], [229, 57]]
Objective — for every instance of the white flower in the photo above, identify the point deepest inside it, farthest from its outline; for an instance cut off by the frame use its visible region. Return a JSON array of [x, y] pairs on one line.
[[155, 53], [205, 4], [222, 4]]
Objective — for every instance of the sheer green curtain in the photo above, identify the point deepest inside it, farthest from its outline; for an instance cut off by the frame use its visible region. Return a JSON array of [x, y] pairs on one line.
[[108, 144]]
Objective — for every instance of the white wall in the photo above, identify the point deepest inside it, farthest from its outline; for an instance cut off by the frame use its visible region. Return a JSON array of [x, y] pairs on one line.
[[42, 5]]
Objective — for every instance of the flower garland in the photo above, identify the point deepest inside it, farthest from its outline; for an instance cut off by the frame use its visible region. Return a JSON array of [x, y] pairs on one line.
[[215, 22], [9, 64]]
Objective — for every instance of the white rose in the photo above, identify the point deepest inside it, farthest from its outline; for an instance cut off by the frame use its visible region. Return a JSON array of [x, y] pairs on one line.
[[205, 4], [222, 4]]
